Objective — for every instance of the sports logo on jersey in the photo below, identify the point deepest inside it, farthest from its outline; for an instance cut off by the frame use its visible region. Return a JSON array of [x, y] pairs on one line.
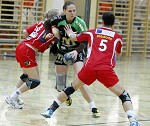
[[27, 63], [33, 34], [105, 32]]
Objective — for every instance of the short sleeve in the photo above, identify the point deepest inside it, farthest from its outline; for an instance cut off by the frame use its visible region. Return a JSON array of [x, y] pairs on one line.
[[119, 46]]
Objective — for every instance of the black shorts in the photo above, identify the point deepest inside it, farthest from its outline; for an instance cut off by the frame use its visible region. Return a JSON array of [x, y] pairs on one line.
[[60, 55]]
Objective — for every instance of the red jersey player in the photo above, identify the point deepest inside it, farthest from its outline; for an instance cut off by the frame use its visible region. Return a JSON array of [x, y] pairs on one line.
[[104, 45], [36, 41]]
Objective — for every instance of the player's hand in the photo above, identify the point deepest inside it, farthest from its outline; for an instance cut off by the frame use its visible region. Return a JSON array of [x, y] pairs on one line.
[[49, 35], [68, 30], [73, 54]]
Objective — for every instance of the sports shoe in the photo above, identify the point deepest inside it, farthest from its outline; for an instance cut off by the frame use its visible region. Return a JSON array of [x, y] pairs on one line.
[[48, 113], [20, 101], [134, 124], [13, 103], [68, 101], [95, 113]]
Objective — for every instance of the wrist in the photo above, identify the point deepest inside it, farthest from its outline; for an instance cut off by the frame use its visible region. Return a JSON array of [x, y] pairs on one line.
[[69, 34]]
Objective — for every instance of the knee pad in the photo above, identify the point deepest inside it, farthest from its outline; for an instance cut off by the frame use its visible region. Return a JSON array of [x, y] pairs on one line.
[[125, 97], [32, 83], [24, 77], [69, 90], [60, 81]]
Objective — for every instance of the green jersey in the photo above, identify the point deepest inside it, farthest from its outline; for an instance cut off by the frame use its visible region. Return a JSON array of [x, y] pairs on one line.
[[65, 44]]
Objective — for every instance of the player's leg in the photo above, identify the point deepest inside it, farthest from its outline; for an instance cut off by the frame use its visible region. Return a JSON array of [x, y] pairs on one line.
[[61, 72], [62, 97], [23, 76], [111, 81], [27, 59], [85, 91], [20, 82], [31, 82], [33, 79], [126, 102], [61, 75], [87, 76], [19, 57]]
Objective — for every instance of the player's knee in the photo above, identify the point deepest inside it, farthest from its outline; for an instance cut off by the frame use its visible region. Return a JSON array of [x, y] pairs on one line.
[[24, 77], [69, 90], [32, 83], [125, 97]]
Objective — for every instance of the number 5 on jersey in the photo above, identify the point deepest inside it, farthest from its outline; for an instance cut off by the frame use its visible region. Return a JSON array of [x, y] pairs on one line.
[[103, 45]]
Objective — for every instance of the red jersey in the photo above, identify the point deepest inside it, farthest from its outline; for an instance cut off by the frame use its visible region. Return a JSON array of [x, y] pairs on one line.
[[103, 45], [35, 39]]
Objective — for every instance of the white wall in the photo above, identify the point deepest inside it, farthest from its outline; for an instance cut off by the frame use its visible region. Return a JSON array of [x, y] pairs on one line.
[[54, 4]]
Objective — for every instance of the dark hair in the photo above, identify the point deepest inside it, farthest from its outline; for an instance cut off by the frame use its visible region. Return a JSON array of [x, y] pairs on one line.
[[67, 4], [108, 18]]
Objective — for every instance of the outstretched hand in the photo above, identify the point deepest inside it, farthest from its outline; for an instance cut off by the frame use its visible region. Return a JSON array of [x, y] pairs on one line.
[[68, 30]]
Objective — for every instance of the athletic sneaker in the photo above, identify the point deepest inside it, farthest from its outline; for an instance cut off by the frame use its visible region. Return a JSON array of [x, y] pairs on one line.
[[68, 101], [134, 124], [13, 103], [48, 113], [95, 113], [20, 101]]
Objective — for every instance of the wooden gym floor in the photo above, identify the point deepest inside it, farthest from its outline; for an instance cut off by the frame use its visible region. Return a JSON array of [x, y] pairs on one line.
[[134, 73]]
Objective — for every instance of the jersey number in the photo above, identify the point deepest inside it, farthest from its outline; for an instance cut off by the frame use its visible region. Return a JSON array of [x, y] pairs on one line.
[[103, 45]]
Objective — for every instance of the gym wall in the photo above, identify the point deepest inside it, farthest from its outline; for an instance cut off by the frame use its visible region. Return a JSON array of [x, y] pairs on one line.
[[132, 20], [16, 15]]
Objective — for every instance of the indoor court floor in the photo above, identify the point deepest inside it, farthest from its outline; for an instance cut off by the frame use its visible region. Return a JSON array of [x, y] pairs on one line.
[[134, 73]]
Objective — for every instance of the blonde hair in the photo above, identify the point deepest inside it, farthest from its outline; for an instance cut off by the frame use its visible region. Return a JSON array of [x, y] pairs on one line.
[[52, 13]]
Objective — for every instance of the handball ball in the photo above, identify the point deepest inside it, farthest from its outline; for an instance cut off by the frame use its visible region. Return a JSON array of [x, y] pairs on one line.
[[68, 60]]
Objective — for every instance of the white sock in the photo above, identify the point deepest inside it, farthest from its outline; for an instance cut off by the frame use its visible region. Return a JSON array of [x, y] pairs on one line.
[[92, 105], [15, 88], [15, 94], [58, 102], [131, 115]]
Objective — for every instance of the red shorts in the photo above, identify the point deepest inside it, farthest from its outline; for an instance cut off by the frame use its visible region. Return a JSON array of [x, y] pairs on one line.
[[107, 77], [25, 56]]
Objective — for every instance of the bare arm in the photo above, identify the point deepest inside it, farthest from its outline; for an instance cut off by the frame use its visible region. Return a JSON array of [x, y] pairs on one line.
[[55, 31]]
